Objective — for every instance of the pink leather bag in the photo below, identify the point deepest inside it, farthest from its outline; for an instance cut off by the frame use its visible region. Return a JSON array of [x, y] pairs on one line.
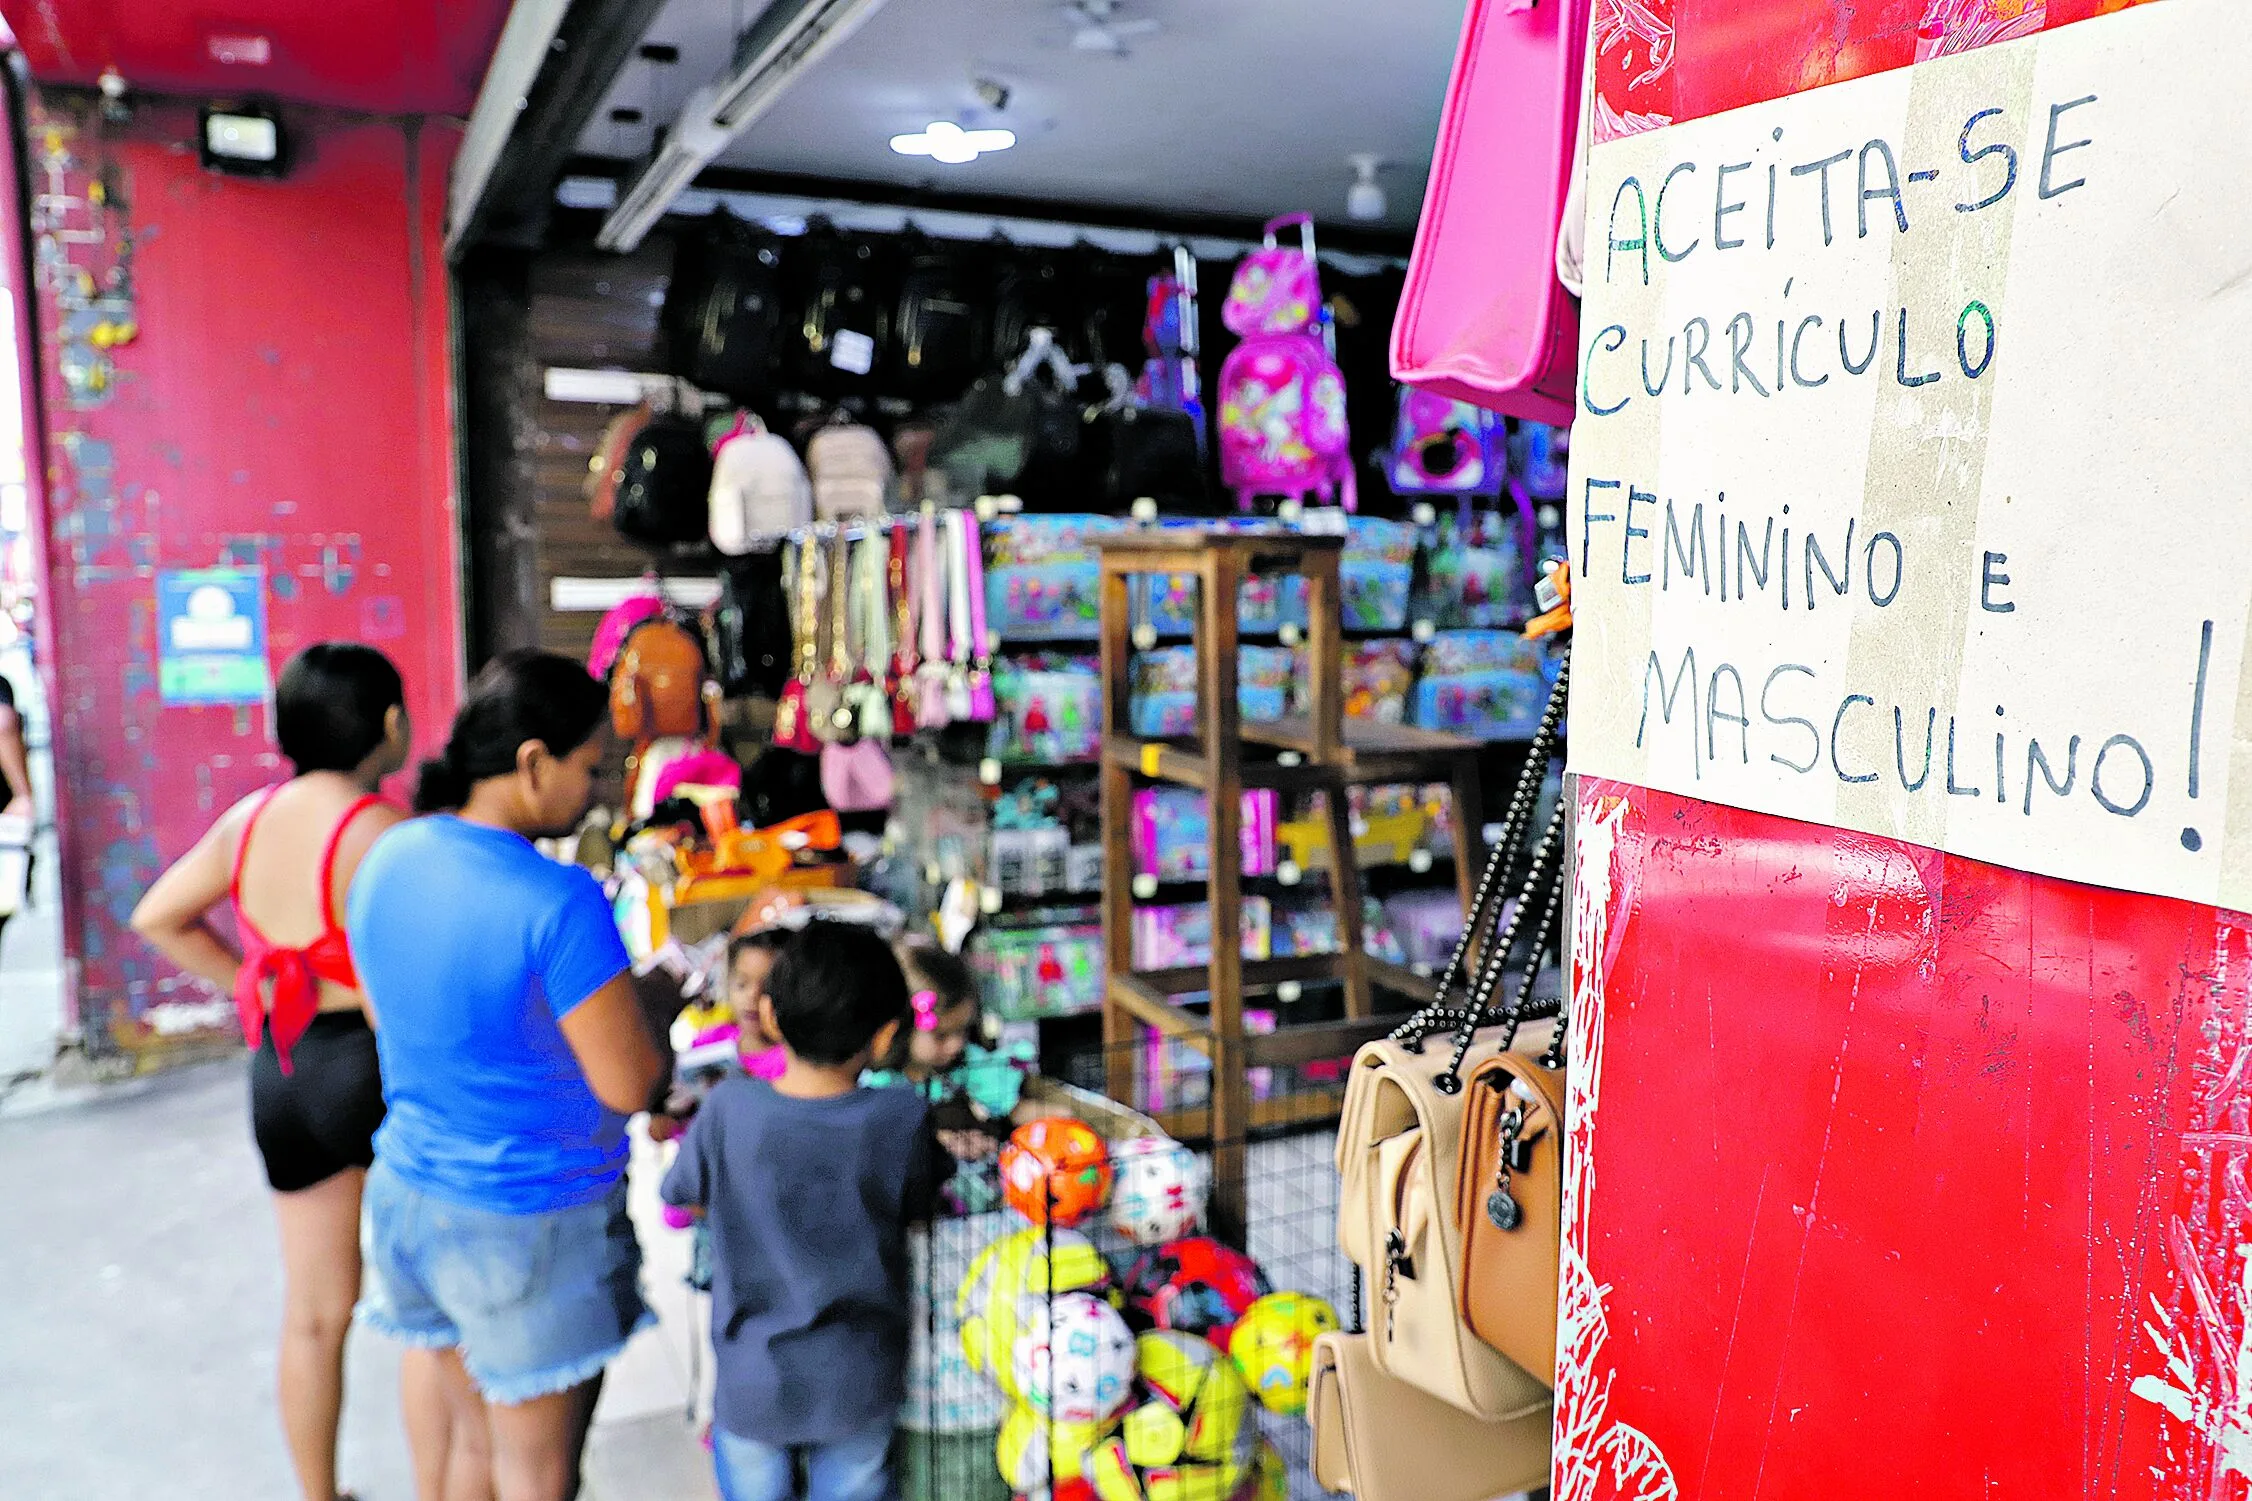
[[1484, 319]]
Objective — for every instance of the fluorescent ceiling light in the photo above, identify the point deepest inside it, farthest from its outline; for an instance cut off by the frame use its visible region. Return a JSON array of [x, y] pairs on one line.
[[944, 141], [780, 47]]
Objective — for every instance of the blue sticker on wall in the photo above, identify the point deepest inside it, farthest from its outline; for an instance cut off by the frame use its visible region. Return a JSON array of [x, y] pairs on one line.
[[212, 636]]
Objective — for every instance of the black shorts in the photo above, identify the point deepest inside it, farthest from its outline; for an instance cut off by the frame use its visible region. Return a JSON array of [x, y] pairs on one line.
[[319, 1119]]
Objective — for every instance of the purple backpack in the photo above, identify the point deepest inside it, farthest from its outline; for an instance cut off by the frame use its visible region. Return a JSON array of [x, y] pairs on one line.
[[1441, 446], [1282, 398]]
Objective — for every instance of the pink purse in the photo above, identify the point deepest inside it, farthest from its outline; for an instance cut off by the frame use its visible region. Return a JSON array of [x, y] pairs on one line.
[[982, 707], [1484, 318]]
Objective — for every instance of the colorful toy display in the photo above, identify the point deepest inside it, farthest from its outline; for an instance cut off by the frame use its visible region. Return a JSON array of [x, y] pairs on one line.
[[1273, 1346], [1192, 1438], [1040, 584], [1074, 1359], [1165, 685], [1046, 969], [1487, 684], [1166, 937], [1016, 1269], [1057, 1168], [1195, 1286], [1173, 833], [1048, 709], [1158, 1190]]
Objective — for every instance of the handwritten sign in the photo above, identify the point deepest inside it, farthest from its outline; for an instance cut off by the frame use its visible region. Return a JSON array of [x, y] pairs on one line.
[[1912, 481]]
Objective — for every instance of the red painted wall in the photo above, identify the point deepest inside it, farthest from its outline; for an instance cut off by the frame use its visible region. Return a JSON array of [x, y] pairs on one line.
[[402, 57], [1899, 1174], [286, 401]]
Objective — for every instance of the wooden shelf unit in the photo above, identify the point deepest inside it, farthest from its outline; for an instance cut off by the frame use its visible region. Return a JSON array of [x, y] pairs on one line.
[[1317, 750]]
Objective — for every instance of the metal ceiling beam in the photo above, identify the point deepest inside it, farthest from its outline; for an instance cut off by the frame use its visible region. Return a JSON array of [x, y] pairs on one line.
[[552, 70], [786, 41]]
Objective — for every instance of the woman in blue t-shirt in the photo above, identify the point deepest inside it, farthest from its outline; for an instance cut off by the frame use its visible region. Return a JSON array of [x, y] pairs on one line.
[[512, 1051]]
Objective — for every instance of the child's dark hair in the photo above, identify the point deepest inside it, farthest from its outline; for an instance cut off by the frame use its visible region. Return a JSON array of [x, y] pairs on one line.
[[947, 976], [758, 941], [519, 697], [835, 986], [333, 704]]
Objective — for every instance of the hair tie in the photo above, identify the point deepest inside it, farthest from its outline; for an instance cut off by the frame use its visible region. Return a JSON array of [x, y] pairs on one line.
[[925, 1004]]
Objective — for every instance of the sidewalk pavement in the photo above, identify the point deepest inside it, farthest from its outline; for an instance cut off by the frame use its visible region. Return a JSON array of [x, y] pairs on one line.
[[140, 1297]]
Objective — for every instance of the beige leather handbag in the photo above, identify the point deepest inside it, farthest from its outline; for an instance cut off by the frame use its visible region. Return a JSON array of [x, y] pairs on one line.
[[1377, 1438], [1398, 1144]]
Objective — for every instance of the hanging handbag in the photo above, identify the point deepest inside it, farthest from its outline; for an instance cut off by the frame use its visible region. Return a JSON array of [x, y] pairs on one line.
[[1509, 1181], [957, 616], [930, 677], [827, 714], [980, 654], [870, 701], [1399, 1140], [1377, 1438], [901, 679], [793, 728]]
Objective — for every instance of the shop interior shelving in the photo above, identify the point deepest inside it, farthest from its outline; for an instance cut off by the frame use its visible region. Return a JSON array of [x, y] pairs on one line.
[[1315, 751]]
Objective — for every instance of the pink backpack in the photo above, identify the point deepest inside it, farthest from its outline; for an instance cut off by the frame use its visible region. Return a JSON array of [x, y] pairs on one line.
[[1282, 398]]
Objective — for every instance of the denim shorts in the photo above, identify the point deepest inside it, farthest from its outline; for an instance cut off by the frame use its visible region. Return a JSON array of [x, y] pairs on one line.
[[536, 1303]]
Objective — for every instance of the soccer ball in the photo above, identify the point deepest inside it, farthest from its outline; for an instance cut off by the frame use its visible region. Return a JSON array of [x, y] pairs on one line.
[[1159, 1190], [1010, 1277], [1273, 1346], [1035, 1455], [1192, 1438], [1055, 1164], [1197, 1286], [1074, 1359]]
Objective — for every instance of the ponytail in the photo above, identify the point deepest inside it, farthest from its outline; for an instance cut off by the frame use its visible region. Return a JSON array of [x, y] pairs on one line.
[[519, 698], [439, 786]]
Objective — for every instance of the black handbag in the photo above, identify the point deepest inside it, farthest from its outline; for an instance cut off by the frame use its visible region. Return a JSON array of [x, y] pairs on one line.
[[1036, 288], [664, 486], [724, 310], [1153, 452], [751, 626], [1026, 442]]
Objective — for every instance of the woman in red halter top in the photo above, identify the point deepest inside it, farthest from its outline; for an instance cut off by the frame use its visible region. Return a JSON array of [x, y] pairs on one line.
[[282, 859]]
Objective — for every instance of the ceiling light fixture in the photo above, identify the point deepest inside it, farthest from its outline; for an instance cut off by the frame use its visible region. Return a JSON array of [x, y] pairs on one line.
[[1365, 200], [944, 141]]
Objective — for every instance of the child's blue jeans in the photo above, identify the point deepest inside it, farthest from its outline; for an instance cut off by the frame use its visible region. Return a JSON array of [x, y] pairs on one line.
[[851, 1469]]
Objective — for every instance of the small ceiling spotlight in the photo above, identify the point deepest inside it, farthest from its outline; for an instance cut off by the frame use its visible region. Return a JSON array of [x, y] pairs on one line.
[[1365, 200]]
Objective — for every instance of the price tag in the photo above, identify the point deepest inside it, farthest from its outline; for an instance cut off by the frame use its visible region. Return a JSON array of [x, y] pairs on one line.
[[1289, 512], [1145, 509], [989, 772], [1145, 887], [1425, 513], [1424, 630], [1289, 758], [853, 351], [1152, 756], [1422, 969], [1011, 504], [1145, 637], [1290, 634], [1288, 873], [1290, 992], [987, 507], [1419, 861], [989, 900]]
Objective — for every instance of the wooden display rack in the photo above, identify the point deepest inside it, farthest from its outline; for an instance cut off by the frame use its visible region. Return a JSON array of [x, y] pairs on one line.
[[1318, 750]]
